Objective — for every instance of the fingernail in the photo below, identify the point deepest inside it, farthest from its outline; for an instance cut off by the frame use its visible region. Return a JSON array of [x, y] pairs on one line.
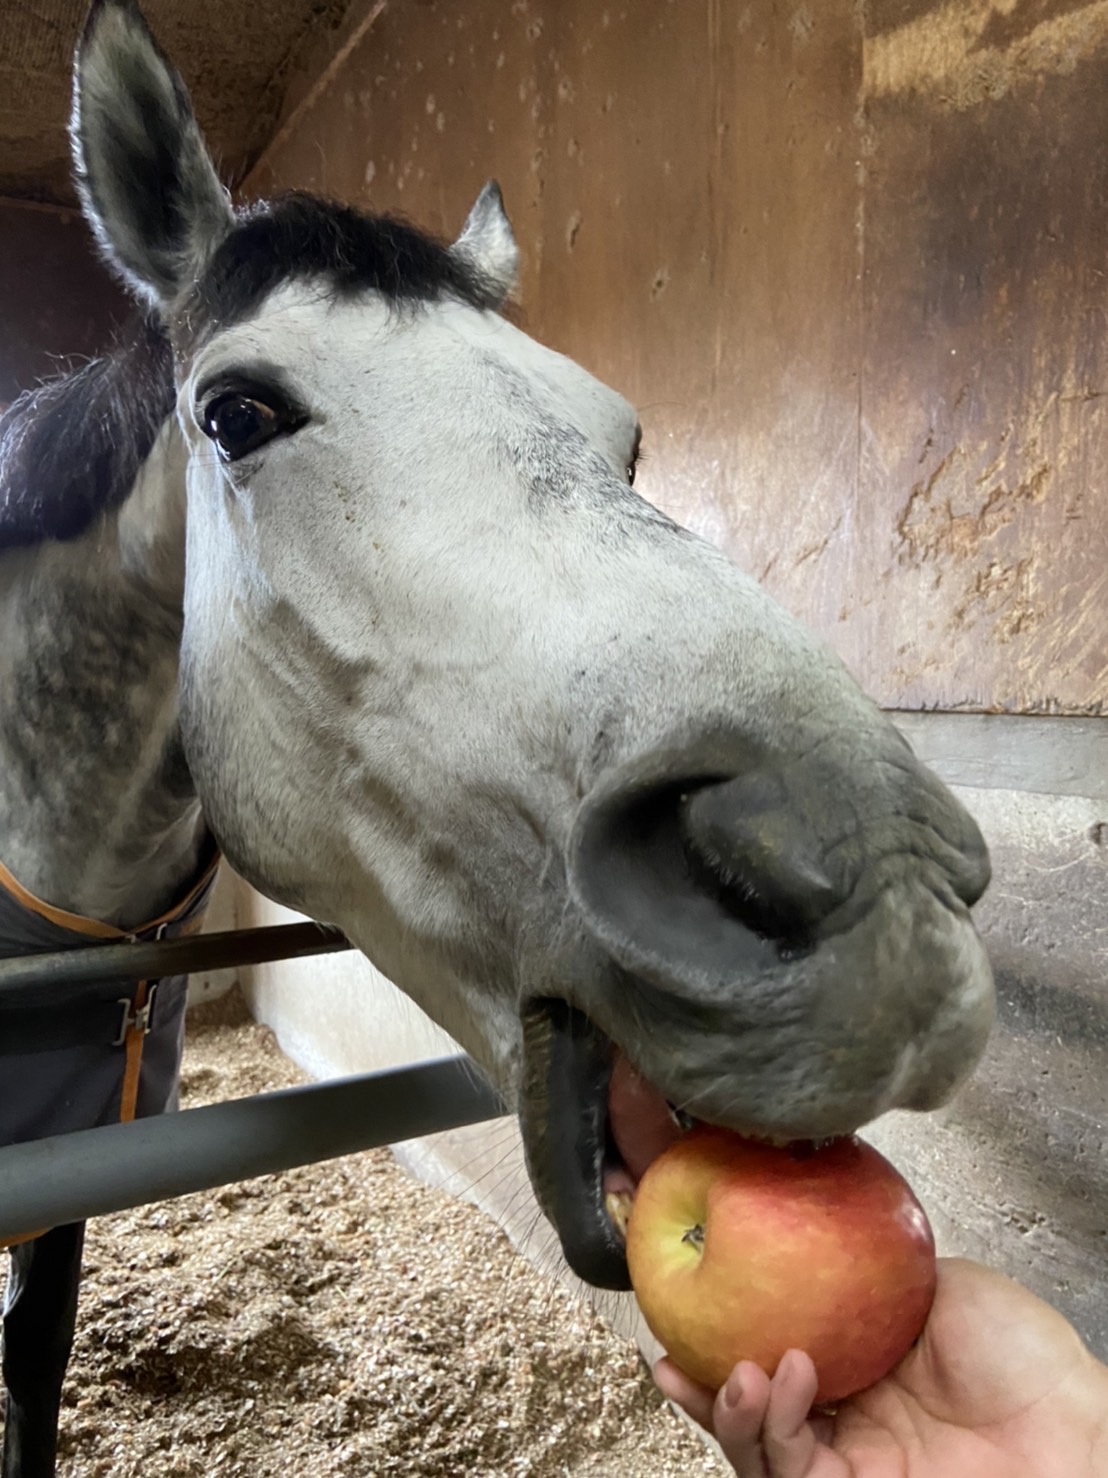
[[733, 1390]]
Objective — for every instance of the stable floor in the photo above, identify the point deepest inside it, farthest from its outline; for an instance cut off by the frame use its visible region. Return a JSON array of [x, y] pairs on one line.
[[341, 1320]]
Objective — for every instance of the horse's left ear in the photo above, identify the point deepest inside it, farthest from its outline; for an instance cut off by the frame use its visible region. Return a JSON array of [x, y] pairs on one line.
[[488, 243], [146, 181]]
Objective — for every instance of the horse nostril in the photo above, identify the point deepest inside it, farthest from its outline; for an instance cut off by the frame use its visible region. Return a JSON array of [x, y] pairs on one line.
[[748, 842]]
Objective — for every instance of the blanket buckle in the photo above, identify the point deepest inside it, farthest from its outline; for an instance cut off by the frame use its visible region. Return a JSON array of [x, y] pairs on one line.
[[136, 1018]]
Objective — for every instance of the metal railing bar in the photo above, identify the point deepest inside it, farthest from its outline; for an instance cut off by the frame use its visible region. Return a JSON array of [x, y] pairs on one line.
[[71, 1177], [146, 961]]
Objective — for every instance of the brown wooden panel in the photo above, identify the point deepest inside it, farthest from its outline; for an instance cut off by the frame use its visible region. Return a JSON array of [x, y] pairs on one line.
[[853, 282], [699, 251], [234, 55], [983, 503], [683, 179], [433, 101]]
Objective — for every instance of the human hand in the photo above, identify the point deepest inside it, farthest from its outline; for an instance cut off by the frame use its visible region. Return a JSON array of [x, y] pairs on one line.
[[999, 1385]]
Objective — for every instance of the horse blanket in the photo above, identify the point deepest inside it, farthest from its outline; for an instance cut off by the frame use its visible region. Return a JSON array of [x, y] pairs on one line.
[[77, 1056]]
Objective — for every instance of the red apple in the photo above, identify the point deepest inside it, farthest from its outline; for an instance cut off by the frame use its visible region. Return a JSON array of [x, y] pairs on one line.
[[740, 1251]]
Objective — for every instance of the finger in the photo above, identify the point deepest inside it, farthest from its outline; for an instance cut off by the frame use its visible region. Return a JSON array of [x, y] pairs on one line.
[[694, 1399], [789, 1442], [737, 1418]]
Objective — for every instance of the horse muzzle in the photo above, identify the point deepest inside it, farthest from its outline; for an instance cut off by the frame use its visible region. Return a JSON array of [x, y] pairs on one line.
[[788, 952]]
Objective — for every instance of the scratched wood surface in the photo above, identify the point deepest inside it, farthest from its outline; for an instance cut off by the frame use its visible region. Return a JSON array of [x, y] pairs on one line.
[[849, 262], [983, 504]]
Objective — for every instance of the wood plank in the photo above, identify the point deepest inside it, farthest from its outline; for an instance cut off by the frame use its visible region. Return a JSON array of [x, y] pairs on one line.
[[698, 231], [853, 282], [429, 102], [683, 181], [983, 509], [1043, 756]]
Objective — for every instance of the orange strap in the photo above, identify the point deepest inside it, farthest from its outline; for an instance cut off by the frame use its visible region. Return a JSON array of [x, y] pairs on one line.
[[75, 922], [78, 924], [23, 1237], [132, 1046]]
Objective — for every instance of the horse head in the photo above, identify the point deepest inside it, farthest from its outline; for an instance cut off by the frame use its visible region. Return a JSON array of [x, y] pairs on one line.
[[568, 776]]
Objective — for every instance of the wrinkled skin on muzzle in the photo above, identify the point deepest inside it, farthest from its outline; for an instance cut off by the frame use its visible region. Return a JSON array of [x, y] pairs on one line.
[[783, 915], [791, 955]]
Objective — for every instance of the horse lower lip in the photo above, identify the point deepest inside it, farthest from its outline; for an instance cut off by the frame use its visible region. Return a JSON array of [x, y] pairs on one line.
[[563, 1116]]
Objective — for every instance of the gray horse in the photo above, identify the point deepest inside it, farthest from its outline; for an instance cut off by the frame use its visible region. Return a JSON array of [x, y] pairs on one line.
[[332, 563]]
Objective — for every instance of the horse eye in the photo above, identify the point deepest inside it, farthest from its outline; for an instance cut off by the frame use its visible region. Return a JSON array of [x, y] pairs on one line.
[[239, 423], [636, 457]]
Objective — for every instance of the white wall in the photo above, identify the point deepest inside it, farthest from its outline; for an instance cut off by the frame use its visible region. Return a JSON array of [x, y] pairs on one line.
[[222, 914]]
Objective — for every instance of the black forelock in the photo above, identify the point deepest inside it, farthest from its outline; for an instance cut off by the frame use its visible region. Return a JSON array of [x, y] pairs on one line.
[[301, 237], [72, 448]]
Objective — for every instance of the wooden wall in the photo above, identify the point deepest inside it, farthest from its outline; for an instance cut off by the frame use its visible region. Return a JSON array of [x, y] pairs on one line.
[[57, 302], [847, 259]]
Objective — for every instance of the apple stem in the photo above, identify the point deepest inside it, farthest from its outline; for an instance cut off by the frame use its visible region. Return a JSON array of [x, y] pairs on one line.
[[694, 1236]]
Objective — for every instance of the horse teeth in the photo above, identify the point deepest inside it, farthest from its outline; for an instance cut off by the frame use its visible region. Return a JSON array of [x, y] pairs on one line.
[[618, 1206], [683, 1120]]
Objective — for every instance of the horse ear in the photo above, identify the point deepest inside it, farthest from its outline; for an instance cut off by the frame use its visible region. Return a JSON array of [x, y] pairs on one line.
[[487, 242], [147, 183]]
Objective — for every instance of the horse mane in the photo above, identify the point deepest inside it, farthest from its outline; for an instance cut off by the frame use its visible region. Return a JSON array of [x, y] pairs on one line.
[[72, 448]]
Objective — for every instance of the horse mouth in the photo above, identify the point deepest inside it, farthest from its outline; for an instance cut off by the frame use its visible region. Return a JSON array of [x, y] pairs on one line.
[[752, 972], [592, 1125]]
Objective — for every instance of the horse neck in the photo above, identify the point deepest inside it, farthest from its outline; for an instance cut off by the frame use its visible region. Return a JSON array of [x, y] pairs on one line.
[[98, 814]]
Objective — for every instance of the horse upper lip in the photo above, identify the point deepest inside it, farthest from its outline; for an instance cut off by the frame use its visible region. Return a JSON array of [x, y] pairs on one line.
[[831, 994]]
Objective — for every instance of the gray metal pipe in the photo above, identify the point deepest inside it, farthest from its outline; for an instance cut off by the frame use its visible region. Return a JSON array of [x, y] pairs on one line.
[[71, 1177], [147, 961]]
